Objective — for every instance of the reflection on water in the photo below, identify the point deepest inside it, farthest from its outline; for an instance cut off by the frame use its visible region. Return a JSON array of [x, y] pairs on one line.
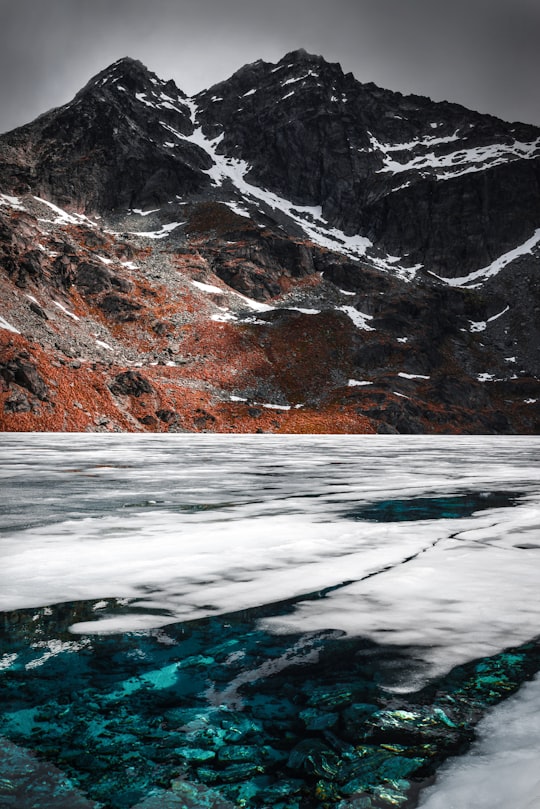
[[300, 623]]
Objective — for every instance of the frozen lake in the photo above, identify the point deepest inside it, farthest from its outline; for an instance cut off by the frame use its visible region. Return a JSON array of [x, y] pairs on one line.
[[351, 604]]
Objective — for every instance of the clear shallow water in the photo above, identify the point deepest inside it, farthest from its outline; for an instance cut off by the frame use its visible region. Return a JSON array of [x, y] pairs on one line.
[[260, 621]]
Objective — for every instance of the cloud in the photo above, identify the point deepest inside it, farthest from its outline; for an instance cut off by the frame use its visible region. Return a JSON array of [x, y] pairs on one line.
[[482, 53]]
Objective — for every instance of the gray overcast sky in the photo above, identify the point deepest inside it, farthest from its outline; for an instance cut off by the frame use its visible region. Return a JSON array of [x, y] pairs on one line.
[[484, 54]]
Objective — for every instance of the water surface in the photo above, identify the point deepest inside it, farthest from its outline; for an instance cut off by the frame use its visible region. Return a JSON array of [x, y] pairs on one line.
[[259, 621]]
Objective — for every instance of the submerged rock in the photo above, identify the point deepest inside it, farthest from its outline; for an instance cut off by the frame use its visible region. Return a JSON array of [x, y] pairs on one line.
[[313, 757], [314, 720], [198, 796]]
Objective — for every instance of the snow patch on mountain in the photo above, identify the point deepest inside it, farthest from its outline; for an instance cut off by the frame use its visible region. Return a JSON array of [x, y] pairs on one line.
[[140, 212], [158, 234], [62, 216], [12, 202], [359, 319], [453, 164], [230, 174], [482, 324], [229, 170], [496, 266], [7, 326], [234, 206], [207, 287], [66, 311], [300, 78]]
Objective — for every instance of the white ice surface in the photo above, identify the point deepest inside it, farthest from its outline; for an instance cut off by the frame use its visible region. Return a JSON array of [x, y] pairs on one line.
[[52, 648], [185, 526]]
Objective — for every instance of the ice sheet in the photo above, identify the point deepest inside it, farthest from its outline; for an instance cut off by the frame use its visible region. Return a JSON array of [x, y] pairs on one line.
[[190, 526]]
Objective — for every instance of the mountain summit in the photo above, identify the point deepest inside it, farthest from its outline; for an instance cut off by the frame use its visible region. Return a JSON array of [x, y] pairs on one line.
[[391, 240]]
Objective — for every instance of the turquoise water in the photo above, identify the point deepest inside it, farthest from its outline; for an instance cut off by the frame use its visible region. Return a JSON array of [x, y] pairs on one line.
[[259, 705], [433, 508], [182, 713]]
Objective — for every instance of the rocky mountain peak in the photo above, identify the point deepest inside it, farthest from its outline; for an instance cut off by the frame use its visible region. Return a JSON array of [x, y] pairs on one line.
[[117, 144], [130, 77], [125, 68], [267, 78], [302, 57]]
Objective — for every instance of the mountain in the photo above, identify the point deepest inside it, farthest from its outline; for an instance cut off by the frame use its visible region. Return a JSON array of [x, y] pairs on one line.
[[289, 251]]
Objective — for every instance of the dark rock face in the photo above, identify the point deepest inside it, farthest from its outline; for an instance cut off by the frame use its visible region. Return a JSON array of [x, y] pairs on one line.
[[17, 403], [105, 150], [167, 416], [93, 278], [402, 170], [118, 307], [130, 383], [17, 258], [438, 223], [448, 188], [25, 374], [256, 267]]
